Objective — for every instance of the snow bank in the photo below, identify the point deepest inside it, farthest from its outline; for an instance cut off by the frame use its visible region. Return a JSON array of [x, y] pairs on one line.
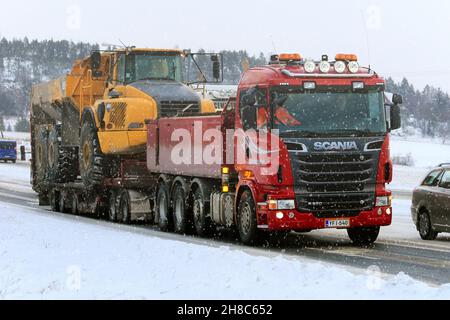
[[45, 256]]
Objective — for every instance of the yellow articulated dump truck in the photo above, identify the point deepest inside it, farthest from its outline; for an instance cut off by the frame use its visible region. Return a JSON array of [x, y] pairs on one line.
[[89, 127]]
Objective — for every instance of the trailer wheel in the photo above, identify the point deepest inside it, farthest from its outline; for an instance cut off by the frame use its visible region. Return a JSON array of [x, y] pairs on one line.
[[246, 220], [180, 216], [202, 223], [363, 236], [63, 203], [54, 200], [43, 199], [113, 206], [163, 208], [75, 204], [125, 208], [91, 158]]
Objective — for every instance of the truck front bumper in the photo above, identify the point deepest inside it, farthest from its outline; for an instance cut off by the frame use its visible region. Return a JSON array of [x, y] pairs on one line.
[[292, 220]]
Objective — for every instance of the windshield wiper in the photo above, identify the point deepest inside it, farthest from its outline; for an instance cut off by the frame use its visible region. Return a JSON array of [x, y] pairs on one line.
[[301, 133], [353, 132], [155, 78]]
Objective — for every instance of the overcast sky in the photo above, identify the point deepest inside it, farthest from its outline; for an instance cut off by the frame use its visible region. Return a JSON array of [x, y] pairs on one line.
[[398, 38]]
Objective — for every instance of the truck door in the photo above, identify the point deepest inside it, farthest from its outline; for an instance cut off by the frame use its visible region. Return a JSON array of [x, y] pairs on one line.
[[442, 205]]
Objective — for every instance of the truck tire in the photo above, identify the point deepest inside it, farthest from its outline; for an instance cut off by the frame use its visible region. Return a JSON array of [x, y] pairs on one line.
[[246, 220], [113, 206], [64, 203], [180, 207], [163, 208], [62, 161], [425, 227], [91, 159], [53, 146], [202, 223], [54, 201], [40, 156], [43, 199], [125, 207], [363, 236], [75, 204]]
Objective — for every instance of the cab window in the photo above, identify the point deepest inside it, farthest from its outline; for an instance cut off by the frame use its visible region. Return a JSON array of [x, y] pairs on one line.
[[445, 181], [255, 116], [433, 179]]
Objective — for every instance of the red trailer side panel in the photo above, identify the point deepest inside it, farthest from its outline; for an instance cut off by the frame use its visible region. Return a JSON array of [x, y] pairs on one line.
[[185, 146]]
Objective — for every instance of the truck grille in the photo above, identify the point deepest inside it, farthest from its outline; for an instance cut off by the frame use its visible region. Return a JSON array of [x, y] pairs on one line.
[[171, 109], [118, 115], [335, 185]]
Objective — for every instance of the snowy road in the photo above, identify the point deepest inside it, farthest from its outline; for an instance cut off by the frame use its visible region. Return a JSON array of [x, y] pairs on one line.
[[399, 249]]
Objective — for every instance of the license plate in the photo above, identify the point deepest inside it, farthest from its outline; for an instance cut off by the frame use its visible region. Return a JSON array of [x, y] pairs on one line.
[[337, 223]]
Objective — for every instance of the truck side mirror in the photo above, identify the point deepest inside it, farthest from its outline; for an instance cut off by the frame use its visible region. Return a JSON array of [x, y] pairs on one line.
[[396, 119], [96, 60], [397, 99], [113, 94], [216, 67]]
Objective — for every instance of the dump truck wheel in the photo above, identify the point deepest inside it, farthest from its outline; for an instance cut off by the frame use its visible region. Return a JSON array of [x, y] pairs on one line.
[[91, 159], [54, 201], [62, 161], [40, 155]]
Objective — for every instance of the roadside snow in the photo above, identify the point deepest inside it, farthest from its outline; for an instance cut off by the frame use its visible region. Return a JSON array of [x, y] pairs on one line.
[[45, 256]]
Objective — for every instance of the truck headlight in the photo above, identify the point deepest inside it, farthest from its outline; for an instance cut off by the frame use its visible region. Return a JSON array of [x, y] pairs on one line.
[[383, 201], [310, 66], [353, 66], [339, 66], [324, 67], [281, 204]]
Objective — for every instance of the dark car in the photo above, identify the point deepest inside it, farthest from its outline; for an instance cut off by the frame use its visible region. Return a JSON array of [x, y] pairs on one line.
[[8, 151], [431, 203]]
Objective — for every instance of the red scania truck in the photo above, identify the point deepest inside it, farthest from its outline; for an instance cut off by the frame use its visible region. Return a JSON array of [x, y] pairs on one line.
[[325, 124], [322, 128]]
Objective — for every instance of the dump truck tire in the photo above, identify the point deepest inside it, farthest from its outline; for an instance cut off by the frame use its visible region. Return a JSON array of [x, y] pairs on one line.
[[62, 161], [91, 159], [41, 155]]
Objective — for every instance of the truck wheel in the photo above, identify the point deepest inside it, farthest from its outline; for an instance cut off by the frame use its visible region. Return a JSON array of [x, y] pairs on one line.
[[43, 199], [63, 203], [425, 227], [40, 156], [363, 236], [202, 223], [180, 216], [163, 208], [54, 201], [113, 207], [246, 220], [75, 204], [91, 158], [124, 207], [53, 147]]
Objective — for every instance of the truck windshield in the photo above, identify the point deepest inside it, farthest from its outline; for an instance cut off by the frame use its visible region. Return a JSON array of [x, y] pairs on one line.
[[148, 66], [330, 113]]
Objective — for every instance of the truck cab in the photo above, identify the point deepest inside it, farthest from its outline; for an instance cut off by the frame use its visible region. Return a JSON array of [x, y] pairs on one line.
[[331, 122]]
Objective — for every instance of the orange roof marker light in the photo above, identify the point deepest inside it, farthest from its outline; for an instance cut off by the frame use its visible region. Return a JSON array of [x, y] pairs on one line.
[[346, 57], [290, 57]]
